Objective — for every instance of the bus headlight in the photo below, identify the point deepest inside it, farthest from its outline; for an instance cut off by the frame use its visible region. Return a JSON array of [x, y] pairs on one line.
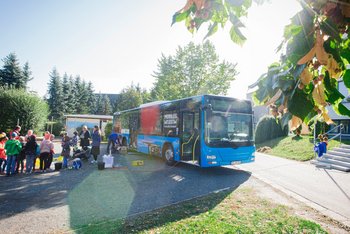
[[211, 157]]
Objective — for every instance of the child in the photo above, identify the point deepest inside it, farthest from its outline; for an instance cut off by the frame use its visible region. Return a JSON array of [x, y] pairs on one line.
[[65, 150], [13, 147], [21, 156], [3, 140], [52, 152], [30, 150]]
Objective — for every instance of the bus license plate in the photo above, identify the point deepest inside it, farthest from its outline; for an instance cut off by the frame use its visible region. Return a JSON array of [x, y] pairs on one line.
[[235, 162]]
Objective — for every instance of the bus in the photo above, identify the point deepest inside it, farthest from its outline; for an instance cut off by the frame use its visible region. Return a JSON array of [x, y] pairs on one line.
[[205, 130]]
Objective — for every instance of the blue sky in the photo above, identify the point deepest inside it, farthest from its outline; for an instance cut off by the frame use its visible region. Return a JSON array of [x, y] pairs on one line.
[[113, 43]]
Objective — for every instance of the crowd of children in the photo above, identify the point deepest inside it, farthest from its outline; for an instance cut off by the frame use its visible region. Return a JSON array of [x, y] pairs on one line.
[[17, 151]]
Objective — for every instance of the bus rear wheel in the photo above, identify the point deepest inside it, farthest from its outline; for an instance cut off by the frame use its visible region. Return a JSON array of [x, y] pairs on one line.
[[169, 155]]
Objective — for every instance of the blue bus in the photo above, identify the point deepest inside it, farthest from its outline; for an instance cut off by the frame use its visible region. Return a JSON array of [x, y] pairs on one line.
[[205, 130]]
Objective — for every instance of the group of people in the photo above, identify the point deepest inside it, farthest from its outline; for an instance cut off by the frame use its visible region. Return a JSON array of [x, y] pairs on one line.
[[17, 151]]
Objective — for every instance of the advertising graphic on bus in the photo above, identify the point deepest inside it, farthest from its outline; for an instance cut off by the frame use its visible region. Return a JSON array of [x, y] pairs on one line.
[[205, 130]]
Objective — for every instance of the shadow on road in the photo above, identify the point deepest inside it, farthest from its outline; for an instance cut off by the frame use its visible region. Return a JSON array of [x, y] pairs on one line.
[[118, 193]]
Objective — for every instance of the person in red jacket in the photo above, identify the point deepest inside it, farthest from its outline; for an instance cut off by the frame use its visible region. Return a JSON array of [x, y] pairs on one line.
[[3, 161]]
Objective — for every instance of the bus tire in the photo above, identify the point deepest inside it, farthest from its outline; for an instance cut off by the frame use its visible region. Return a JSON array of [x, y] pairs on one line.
[[168, 154]]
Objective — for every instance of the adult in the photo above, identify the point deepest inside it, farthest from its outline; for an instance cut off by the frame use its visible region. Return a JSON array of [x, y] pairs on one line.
[[85, 138], [46, 147], [96, 142], [113, 138]]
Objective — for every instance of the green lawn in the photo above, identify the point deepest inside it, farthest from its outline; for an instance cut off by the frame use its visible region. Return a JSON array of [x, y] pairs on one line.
[[300, 149], [240, 211]]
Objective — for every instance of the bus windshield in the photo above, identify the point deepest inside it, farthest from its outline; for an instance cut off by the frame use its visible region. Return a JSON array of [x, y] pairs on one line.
[[226, 128]]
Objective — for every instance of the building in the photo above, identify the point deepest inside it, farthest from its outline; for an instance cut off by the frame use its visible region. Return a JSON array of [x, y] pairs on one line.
[[75, 122]]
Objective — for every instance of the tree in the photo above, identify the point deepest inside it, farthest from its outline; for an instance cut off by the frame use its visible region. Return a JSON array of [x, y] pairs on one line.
[[27, 74], [68, 99], [55, 95], [130, 97], [12, 74], [194, 70], [72, 99], [315, 54], [82, 95], [91, 102], [28, 108]]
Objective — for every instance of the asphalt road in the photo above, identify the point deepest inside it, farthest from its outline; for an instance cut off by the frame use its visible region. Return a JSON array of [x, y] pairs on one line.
[[71, 198]]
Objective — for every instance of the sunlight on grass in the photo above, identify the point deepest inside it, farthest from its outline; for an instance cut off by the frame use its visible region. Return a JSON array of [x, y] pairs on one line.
[[102, 195], [240, 211], [301, 149]]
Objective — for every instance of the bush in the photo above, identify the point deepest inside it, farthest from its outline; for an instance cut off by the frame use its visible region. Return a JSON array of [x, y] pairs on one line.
[[269, 128], [28, 108], [108, 129], [57, 128]]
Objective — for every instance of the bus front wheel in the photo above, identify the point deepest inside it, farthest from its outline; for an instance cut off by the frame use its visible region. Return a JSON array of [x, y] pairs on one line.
[[169, 155]]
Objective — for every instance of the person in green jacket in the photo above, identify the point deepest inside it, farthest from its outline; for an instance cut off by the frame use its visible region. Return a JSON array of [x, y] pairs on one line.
[[13, 148]]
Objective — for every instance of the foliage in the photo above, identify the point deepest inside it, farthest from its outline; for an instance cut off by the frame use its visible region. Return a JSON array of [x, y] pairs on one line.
[[55, 95], [57, 128], [130, 97], [103, 105], [17, 104], [269, 128], [108, 129], [12, 75], [193, 70], [315, 54]]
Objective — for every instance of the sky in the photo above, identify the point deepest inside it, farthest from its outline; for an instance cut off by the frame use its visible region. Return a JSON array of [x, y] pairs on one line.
[[113, 43]]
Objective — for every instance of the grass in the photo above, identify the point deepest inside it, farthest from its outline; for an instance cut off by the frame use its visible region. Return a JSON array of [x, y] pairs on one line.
[[300, 149], [240, 211]]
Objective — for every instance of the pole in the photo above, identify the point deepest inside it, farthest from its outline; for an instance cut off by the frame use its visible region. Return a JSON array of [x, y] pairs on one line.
[[315, 138], [51, 124]]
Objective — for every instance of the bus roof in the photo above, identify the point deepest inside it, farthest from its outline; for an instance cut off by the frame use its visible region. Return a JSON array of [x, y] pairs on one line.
[[156, 103]]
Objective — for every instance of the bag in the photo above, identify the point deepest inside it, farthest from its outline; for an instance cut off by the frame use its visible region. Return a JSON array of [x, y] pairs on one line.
[[108, 160], [37, 150], [77, 163]]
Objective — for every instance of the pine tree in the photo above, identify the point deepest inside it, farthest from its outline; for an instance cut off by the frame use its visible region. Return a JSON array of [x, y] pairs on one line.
[[72, 98], [91, 98], [98, 110], [12, 74], [55, 95], [27, 74], [107, 108], [66, 90]]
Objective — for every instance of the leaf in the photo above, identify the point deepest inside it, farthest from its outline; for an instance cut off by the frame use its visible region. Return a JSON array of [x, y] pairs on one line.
[[307, 57], [292, 30], [285, 119], [346, 78], [340, 109], [274, 98], [178, 16], [295, 123], [319, 95], [298, 70], [236, 36], [333, 95], [300, 105], [330, 28], [306, 76], [211, 30]]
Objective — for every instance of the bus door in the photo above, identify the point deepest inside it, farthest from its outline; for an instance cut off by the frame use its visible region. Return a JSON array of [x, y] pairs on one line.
[[190, 137]]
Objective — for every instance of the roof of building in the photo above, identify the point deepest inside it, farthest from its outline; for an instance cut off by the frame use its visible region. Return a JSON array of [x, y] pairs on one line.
[[107, 117]]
